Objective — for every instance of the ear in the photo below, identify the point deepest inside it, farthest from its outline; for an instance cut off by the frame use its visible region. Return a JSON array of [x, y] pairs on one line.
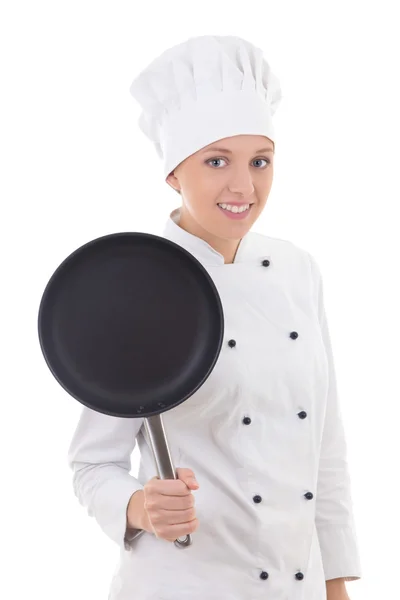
[[173, 181]]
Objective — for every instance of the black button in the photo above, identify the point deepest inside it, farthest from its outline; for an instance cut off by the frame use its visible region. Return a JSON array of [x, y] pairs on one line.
[[309, 495], [232, 343], [299, 576], [247, 420], [265, 263], [302, 414], [257, 499], [264, 575], [294, 335]]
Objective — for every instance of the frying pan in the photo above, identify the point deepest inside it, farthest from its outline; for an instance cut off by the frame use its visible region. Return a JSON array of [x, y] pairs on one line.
[[131, 325]]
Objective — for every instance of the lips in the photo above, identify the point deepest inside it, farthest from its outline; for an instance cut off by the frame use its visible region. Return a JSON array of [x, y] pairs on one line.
[[236, 215], [236, 203]]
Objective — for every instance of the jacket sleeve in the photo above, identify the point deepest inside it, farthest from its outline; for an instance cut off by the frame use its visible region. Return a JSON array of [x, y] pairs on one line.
[[334, 511], [100, 459]]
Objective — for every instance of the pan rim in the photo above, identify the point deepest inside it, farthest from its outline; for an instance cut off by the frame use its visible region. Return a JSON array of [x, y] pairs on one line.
[[58, 272]]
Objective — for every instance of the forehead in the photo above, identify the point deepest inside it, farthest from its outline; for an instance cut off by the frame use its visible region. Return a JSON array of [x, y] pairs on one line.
[[241, 143]]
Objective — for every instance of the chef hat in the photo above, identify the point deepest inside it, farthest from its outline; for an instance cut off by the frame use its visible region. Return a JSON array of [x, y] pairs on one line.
[[205, 89]]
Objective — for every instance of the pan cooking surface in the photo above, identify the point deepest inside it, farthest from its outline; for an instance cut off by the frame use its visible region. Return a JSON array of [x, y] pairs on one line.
[[131, 324]]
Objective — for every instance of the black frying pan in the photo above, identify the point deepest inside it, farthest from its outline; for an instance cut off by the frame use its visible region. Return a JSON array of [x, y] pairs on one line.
[[131, 325]]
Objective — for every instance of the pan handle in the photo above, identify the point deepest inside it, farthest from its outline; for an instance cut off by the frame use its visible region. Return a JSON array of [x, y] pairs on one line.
[[162, 456]]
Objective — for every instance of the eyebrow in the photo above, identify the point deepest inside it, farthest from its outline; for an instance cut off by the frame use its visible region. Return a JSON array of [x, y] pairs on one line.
[[269, 149]]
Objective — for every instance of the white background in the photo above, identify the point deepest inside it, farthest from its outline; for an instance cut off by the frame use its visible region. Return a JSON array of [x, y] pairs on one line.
[[74, 166]]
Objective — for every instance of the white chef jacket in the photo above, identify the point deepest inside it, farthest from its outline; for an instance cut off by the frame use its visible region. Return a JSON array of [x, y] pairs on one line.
[[264, 436]]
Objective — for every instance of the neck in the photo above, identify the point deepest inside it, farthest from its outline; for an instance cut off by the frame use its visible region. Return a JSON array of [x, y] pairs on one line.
[[226, 247]]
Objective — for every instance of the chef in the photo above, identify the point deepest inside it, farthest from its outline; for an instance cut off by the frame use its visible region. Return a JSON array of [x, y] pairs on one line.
[[264, 434]]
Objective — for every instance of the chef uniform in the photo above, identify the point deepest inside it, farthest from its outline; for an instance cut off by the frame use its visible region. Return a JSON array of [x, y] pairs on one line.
[[264, 434]]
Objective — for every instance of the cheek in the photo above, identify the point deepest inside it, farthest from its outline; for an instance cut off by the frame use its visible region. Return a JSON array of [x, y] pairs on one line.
[[211, 187], [200, 202], [264, 186], [205, 196]]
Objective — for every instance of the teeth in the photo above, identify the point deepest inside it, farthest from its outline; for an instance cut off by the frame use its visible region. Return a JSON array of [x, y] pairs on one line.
[[235, 209]]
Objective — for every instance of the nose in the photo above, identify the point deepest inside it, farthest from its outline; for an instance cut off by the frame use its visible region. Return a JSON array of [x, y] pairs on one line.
[[242, 183]]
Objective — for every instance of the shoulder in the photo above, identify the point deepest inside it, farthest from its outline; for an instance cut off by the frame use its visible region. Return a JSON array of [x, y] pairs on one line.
[[280, 249], [289, 261]]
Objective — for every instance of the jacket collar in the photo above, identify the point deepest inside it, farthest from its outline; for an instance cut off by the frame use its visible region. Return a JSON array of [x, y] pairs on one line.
[[200, 249]]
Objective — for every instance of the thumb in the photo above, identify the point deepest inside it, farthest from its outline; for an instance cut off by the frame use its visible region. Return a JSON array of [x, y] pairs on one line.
[[188, 477]]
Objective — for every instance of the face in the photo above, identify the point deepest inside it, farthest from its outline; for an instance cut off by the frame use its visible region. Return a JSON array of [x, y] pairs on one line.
[[236, 171]]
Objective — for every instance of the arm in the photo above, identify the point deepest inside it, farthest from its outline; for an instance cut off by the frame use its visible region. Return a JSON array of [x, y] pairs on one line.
[[334, 512], [336, 589], [100, 458]]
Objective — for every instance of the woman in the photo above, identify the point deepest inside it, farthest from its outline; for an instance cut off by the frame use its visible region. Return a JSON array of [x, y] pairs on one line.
[[271, 513]]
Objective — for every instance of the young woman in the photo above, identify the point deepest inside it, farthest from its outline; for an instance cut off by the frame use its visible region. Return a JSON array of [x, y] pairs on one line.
[[263, 483]]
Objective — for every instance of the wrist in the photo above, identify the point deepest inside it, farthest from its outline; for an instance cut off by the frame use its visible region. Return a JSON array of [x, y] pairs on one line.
[[336, 589], [135, 512]]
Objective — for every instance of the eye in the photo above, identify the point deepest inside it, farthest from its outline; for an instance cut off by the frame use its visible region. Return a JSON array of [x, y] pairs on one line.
[[256, 159], [266, 160], [213, 160]]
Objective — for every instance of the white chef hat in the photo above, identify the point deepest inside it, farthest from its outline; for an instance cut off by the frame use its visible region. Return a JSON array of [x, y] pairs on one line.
[[202, 90]]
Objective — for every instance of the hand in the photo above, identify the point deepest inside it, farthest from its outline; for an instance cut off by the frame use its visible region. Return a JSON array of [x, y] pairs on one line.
[[169, 510]]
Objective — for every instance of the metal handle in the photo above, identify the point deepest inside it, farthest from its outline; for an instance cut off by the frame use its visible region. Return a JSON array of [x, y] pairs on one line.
[[162, 456]]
